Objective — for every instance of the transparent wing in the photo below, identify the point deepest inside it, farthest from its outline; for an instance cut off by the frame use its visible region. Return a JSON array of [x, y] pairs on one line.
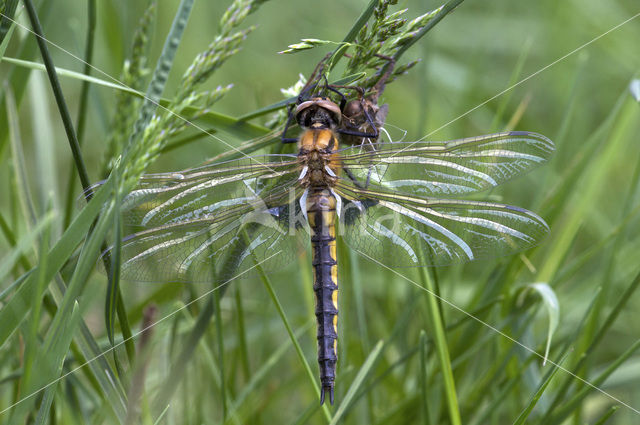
[[212, 223], [166, 198], [445, 169], [411, 231]]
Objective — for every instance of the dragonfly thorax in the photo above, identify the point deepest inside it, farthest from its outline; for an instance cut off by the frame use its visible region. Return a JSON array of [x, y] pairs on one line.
[[318, 143], [320, 169]]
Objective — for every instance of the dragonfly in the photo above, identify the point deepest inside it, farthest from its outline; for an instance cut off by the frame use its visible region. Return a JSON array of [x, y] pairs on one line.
[[396, 202]]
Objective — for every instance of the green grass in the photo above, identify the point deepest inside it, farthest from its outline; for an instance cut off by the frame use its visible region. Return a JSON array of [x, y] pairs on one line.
[[243, 356]]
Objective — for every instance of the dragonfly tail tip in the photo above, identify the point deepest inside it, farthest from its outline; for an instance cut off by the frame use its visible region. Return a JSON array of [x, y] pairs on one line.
[[326, 389]]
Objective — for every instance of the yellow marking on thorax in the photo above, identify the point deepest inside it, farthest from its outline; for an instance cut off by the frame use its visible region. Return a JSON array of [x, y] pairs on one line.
[[324, 141], [318, 139], [306, 140]]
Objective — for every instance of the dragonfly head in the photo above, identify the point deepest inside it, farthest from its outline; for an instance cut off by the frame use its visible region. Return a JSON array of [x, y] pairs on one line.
[[319, 112]]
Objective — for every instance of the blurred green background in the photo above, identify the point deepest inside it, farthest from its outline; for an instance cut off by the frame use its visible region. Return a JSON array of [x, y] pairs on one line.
[[587, 193]]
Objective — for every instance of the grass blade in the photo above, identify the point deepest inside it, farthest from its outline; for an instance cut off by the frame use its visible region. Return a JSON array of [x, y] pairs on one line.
[[18, 79], [56, 343], [603, 420], [58, 350], [220, 341], [515, 75], [440, 342], [541, 389], [256, 379], [594, 173], [360, 22], [82, 106], [45, 155], [8, 16], [6, 26], [114, 263], [598, 337], [63, 72], [23, 245], [58, 95], [552, 307], [24, 194], [16, 308], [242, 334], [294, 341], [571, 406], [358, 382], [424, 386], [163, 67], [177, 371], [634, 89]]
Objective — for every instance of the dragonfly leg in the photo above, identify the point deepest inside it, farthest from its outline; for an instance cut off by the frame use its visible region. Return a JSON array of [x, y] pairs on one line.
[[343, 98], [355, 180], [286, 127]]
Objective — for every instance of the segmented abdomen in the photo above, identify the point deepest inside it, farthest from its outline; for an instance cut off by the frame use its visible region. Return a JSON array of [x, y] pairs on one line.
[[321, 211]]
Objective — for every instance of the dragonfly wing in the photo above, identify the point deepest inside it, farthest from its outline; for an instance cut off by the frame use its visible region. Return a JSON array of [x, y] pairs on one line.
[[445, 169], [174, 197], [211, 224], [412, 231]]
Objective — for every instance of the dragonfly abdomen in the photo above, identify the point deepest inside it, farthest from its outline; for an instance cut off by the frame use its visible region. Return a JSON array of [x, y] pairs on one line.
[[321, 212]]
